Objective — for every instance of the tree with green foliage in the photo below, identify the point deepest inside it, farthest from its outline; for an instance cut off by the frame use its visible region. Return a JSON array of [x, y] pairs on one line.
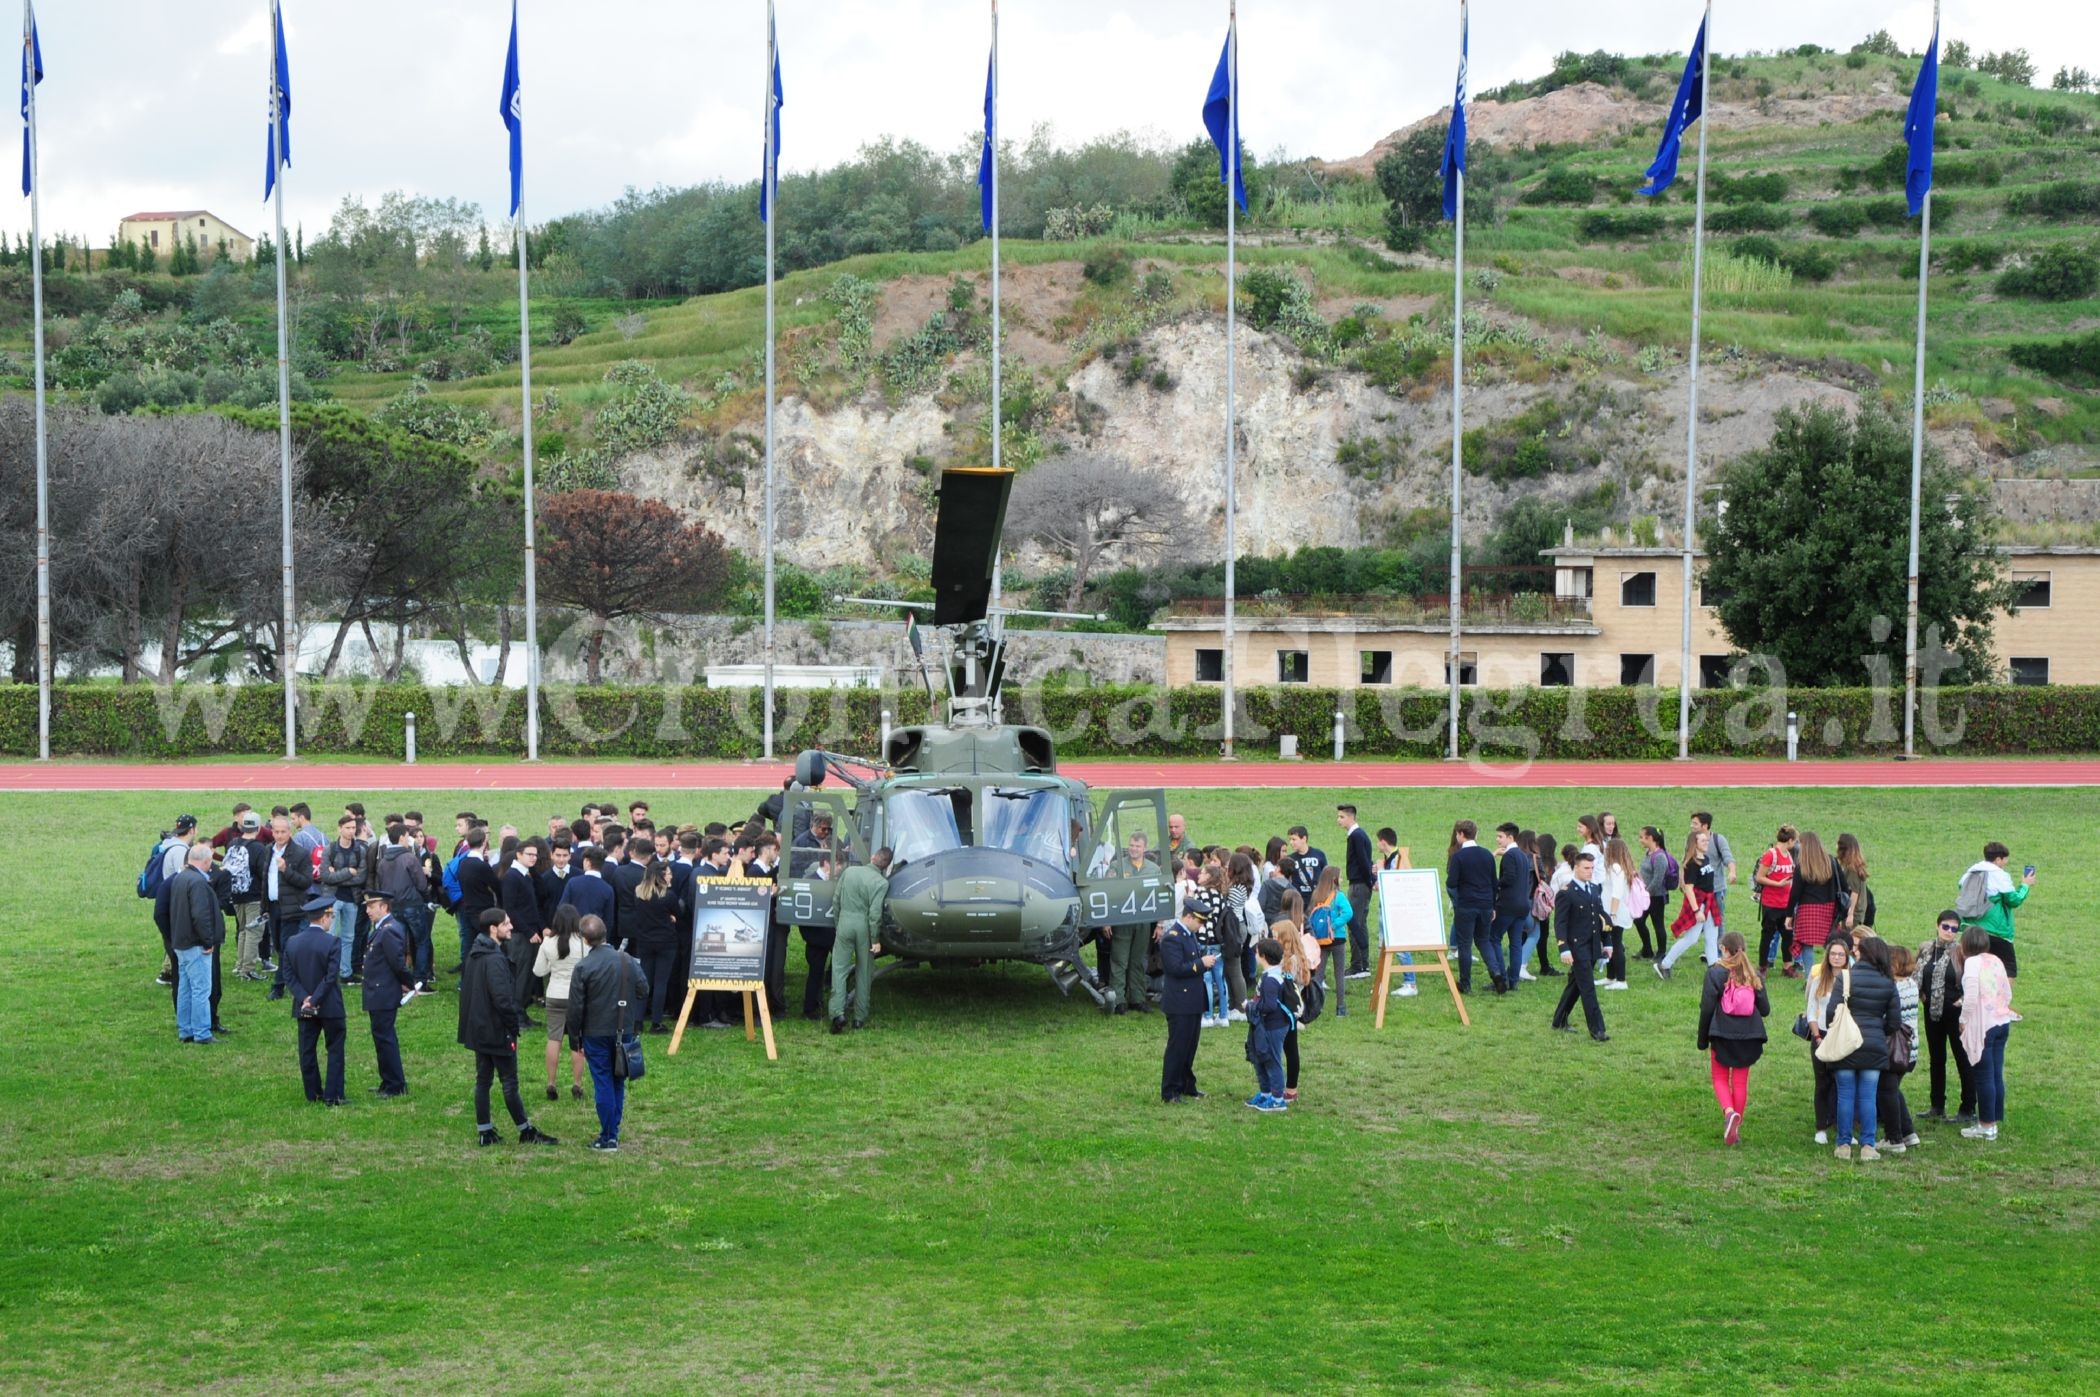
[[1957, 54], [2013, 66], [1807, 563], [484, 255], [2058, 272], [146, 259], [1412, 180], [1879, 42]]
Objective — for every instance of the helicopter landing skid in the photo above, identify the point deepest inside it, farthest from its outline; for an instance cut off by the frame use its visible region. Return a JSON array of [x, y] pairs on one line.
[[1066, 973]]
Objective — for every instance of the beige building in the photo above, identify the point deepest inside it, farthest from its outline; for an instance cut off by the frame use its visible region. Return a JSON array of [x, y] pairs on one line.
[[1615, 619], [164, 232]]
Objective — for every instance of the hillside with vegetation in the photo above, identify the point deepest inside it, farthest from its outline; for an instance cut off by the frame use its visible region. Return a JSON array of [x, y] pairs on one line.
[[648, 329]]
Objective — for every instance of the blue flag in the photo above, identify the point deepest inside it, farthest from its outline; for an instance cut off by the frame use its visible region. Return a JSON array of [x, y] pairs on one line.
[[514, 115], [769, 176], [32, 73], [1686, 109], [984, 161], [1455, 138], [1917, 127], [280, 105], [1222, 120]]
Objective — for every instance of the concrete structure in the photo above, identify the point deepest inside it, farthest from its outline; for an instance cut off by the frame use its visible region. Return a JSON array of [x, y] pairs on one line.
[[163, 232], [1615, 619]]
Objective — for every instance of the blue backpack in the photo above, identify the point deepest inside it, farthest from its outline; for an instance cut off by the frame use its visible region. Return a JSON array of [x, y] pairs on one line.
[[453, 892], [150, 876]]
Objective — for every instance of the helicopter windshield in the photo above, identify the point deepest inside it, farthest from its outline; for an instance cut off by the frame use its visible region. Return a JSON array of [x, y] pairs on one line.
[[924, 822], [1034, 822]]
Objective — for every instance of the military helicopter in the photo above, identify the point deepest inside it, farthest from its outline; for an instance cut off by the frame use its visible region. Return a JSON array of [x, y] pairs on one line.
[[997, 857]]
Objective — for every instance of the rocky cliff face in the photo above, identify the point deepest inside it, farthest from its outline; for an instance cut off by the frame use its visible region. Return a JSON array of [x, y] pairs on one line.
[[849, 493]]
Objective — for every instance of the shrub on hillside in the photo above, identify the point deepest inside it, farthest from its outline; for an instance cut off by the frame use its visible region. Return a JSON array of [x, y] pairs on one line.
[[1608, 225], [1747, 218], [2057, 273], [2067, 199], [1750, 189], [1561, 186], [1837, 220], [2073, 360]]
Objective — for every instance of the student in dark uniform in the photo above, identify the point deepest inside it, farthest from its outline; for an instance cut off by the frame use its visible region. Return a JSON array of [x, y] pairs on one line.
[[1182, 1000], [388, 978], [309, 962], [1578, 924]]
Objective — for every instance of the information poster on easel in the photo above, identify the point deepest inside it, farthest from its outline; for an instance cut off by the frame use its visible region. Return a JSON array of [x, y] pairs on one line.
[[1411, 921], [730, 919]]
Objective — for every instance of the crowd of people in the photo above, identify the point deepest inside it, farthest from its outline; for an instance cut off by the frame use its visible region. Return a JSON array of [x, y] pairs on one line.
[[591, 923]]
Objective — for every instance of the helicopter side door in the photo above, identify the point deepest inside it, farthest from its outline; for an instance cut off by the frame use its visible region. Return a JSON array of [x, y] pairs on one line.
[[1111, 891], [810, 867]]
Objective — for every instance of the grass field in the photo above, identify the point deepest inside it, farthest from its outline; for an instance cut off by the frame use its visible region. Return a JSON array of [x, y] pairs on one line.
[[983, 1193]]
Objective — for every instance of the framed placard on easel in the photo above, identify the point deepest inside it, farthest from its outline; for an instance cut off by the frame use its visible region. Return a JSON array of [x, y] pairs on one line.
[[730, 920], [1411, 920]]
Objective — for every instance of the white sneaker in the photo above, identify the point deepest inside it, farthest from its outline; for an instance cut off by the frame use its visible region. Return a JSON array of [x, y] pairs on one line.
[[1823, 1137], [1614, 984], [1405, 992], [1892, 1147], [1235, 1017], [1979, 1132], [1526, 975]]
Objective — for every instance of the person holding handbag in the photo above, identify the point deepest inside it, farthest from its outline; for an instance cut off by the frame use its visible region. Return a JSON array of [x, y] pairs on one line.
[[1732, 1013], [1822, 984], [1891, 1107], [1863, 1015], [606, 990]]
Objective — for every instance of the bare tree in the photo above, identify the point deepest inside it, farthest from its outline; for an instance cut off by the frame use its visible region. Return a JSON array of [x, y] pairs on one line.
[[1092, 509]]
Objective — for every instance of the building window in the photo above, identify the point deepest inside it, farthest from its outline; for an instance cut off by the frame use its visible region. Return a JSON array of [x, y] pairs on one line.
[[1293, 667], [1715, 672], [1377, 667], [1637, 671], [1636, 589], [1468, 668], [2033, 670], [155, 236], [2030, 591], [200, 223], [1556, 669], [1210, 666]]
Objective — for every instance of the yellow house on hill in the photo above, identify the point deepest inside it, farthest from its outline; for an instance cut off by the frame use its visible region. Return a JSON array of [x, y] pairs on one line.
[[163, 232]]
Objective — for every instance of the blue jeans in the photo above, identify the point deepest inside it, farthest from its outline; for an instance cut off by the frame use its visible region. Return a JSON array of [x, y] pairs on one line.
[[345, 929], [193, 994], [1856, 1089], [416, 917], [1518, 928], [1406, 959], [1214, 984], [1990, 1076], [1472, 926], [609, 1096], [1268, 1060], [467, 933]]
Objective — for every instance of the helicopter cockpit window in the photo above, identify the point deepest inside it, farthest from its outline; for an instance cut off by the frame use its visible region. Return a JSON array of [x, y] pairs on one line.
[[1034, 822], [920, 823]]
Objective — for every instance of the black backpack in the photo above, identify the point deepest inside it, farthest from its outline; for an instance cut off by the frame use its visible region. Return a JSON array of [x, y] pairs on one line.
[[1314, 999]]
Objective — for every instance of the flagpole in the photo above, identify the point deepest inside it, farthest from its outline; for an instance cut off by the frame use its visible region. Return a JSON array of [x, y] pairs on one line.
[[772, 197], [1458, 392], [1917, 464], [43, 469], [1691, 433], [532, 596], [992, 135], [1232, 204], [288, 640]]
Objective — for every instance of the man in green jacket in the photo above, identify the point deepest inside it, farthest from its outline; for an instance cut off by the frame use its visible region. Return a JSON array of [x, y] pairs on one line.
[[1994, 881], [862, 892]]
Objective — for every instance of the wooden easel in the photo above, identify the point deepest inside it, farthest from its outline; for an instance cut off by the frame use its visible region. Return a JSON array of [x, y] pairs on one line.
[[753, 991], [1389, 965]]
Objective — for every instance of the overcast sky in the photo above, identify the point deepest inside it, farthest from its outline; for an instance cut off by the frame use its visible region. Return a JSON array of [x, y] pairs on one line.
[[148, 106]]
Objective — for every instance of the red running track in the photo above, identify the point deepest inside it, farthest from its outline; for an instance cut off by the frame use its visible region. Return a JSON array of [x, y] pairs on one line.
[[614, 778]]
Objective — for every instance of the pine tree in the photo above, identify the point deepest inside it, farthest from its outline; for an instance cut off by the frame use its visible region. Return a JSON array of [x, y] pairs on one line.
[[299, 251], [148, 259], [265, 253], [486, 257]]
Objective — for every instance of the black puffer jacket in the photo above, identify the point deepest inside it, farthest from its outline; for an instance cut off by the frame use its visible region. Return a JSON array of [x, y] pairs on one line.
[[1877, 1011]]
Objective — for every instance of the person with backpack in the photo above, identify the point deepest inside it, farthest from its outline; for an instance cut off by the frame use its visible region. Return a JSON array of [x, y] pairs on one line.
[[1328, 921], [1732, 1013], [1268, 1019], [1699, 915], [1939, 1003], [242, 868], [1773, 876], [472, 885], [1301, 973], [1659, 876], [1988, 899], [605, 992], [1181, 999], [169, 855]]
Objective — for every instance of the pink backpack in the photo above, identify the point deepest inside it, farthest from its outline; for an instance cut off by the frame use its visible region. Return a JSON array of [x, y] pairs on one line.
[[1637, 897], [1738, 1000]]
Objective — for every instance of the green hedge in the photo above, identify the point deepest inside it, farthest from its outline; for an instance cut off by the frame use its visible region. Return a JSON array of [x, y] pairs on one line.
[[692, 722]]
